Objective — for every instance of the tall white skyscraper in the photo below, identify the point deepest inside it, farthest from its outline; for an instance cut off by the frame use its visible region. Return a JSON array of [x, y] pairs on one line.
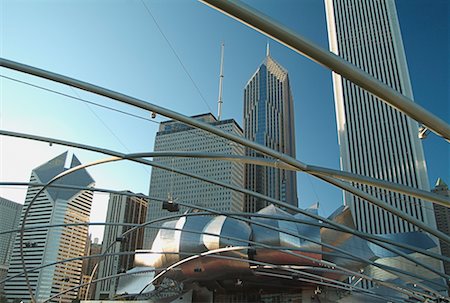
[[176, 136], [44, 246], [269, 120], [375, 139], [121, 209]]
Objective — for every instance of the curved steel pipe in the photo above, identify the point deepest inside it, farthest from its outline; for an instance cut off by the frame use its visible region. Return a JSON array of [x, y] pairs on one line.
[[113, 153], [344, 286], [367, 236], [116, 158], [214, 130]]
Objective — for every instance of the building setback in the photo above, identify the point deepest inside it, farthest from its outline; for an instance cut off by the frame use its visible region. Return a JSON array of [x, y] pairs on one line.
[[269, 120], [121, 209], [176, 136], [9, 220], [375, 139], [44, 246]]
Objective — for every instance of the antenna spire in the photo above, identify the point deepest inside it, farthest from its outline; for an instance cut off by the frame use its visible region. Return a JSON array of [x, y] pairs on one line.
[[267, 49], [219, 103]]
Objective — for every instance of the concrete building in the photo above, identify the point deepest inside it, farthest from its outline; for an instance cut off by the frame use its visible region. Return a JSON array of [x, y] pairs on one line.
[[92, 249], [44, 246], [375, 139], [442, 214], [121, 209], [9, 219], [176, 136], [269, 120]]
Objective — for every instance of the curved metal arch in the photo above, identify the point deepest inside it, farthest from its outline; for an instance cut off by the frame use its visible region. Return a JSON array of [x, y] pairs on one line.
[[209, 128], [283, 249], [117, 158], [131, 156], [117, 154], [159, 227], [249, 261], [353, 288], [367, 236], [113, 153], [139, 155]]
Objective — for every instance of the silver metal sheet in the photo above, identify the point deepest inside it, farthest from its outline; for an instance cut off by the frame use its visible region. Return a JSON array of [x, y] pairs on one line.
[[138, 279]]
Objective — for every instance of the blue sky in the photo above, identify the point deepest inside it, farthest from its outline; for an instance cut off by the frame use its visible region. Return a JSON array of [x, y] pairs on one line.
[[116, 44]]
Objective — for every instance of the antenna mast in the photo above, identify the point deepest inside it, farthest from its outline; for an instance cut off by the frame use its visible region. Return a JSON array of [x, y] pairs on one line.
[[219, 103]]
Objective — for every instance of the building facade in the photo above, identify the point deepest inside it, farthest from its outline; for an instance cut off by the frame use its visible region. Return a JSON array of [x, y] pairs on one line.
[[176, 136], [44, 246], [9, 220], [269, 120], [121, 209], [442, 214], [375, 139], [92, 249]]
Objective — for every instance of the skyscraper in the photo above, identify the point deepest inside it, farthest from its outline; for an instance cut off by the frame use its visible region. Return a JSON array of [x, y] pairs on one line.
[[121, 209], [269, 120], [92, 249], [176, 136], [375, 139], [44, 246], [9, 219]]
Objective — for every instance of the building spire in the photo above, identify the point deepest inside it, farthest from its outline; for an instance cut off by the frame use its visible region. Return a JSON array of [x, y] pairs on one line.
[[219, 102], [267, 49]]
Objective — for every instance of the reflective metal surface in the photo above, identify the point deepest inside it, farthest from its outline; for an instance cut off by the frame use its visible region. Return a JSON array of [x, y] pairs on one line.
[[205, 233]]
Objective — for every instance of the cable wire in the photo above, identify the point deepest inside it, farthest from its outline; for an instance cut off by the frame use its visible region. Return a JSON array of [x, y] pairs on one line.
[[176, 55], [197, 132]]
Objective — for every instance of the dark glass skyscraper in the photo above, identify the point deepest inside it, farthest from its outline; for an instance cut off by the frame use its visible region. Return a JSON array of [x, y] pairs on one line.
[[269, 120]]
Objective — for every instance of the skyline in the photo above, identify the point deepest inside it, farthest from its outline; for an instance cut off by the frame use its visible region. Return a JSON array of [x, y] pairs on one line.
[[199, 49]]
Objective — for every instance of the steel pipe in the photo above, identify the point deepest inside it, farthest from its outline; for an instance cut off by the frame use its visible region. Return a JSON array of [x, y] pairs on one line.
[[342, 227], [273, 29], [209, 128]]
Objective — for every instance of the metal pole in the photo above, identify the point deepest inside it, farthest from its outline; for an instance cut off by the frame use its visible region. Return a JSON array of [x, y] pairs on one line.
[[132, 156], [219, 103], [339, 285], [209, 128], [274, 201], [271, 28]]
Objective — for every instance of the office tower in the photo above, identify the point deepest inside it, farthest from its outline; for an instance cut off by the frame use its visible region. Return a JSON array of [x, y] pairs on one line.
[[92, 249], [176, 136], [9, 220], [375, 139], [44, 246], [121, 209], [269, 120], [442, 215]]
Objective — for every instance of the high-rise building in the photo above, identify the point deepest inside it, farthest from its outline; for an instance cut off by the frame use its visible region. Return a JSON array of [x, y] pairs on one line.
[[48, 245], [92, 249], [9, 220], [121, 209], [375, 139], [269, 120], [176, 136], [442, 214]]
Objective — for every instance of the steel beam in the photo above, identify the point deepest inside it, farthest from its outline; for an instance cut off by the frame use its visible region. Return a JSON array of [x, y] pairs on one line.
[[273, 29]]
